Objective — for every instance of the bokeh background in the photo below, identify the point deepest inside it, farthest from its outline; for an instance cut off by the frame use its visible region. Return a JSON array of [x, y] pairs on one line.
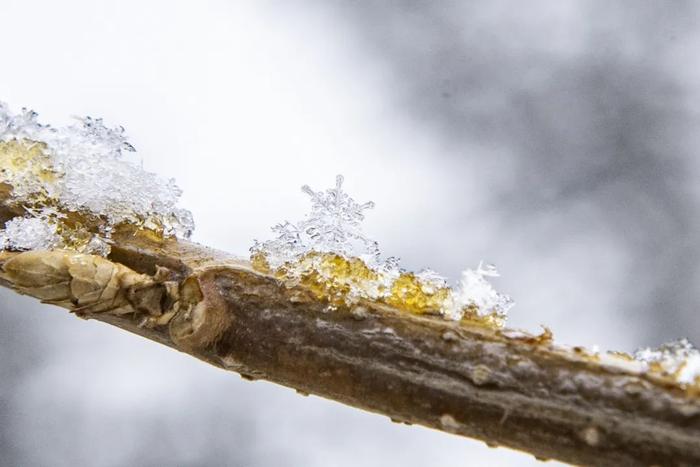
[[556, 139]]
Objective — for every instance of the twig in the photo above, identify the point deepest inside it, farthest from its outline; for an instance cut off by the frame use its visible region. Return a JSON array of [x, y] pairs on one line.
[[503, 387]]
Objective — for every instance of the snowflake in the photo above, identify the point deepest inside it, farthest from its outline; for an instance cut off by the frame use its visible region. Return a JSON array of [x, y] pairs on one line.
[[334, 225]]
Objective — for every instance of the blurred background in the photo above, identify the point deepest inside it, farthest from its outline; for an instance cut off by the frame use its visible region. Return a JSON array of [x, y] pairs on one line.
[[556, 139]]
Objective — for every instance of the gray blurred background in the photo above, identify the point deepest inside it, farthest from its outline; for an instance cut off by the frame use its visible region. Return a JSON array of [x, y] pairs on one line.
[[555, 138]]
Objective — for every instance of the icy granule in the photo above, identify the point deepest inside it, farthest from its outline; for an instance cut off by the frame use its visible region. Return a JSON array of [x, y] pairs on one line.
[[82, 172], [29, 233], [328, 253], [679, 359]]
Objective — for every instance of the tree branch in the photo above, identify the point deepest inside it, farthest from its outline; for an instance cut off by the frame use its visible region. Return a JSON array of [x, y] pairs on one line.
[[503, 387]]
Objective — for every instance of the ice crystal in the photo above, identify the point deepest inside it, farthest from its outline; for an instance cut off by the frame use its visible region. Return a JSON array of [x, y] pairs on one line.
[[679, 359], [333, 226], [328, 252], [81, 169]]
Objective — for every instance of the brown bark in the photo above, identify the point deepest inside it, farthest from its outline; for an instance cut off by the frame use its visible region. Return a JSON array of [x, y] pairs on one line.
[[502, 387]]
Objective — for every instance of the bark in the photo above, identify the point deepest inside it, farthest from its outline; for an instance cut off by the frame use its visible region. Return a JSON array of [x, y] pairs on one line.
[[503, 387]]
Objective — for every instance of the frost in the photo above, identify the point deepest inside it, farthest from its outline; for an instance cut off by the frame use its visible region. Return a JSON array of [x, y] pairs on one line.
[[82, 168], [431, 281], [328, 252], [475, 290], [679, 359]]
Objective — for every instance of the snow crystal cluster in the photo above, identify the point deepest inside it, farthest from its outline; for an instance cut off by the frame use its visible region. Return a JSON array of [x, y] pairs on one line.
[[679, 359], [334, 227], [81, 168], [475, 290], [30, 233]]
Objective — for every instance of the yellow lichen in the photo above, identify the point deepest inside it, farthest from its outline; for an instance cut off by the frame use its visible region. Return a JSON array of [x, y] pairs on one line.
[[471, 315], [342, 281], [409, 293], [18, 156], [25, 167], [260, 263], [332, 277]]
